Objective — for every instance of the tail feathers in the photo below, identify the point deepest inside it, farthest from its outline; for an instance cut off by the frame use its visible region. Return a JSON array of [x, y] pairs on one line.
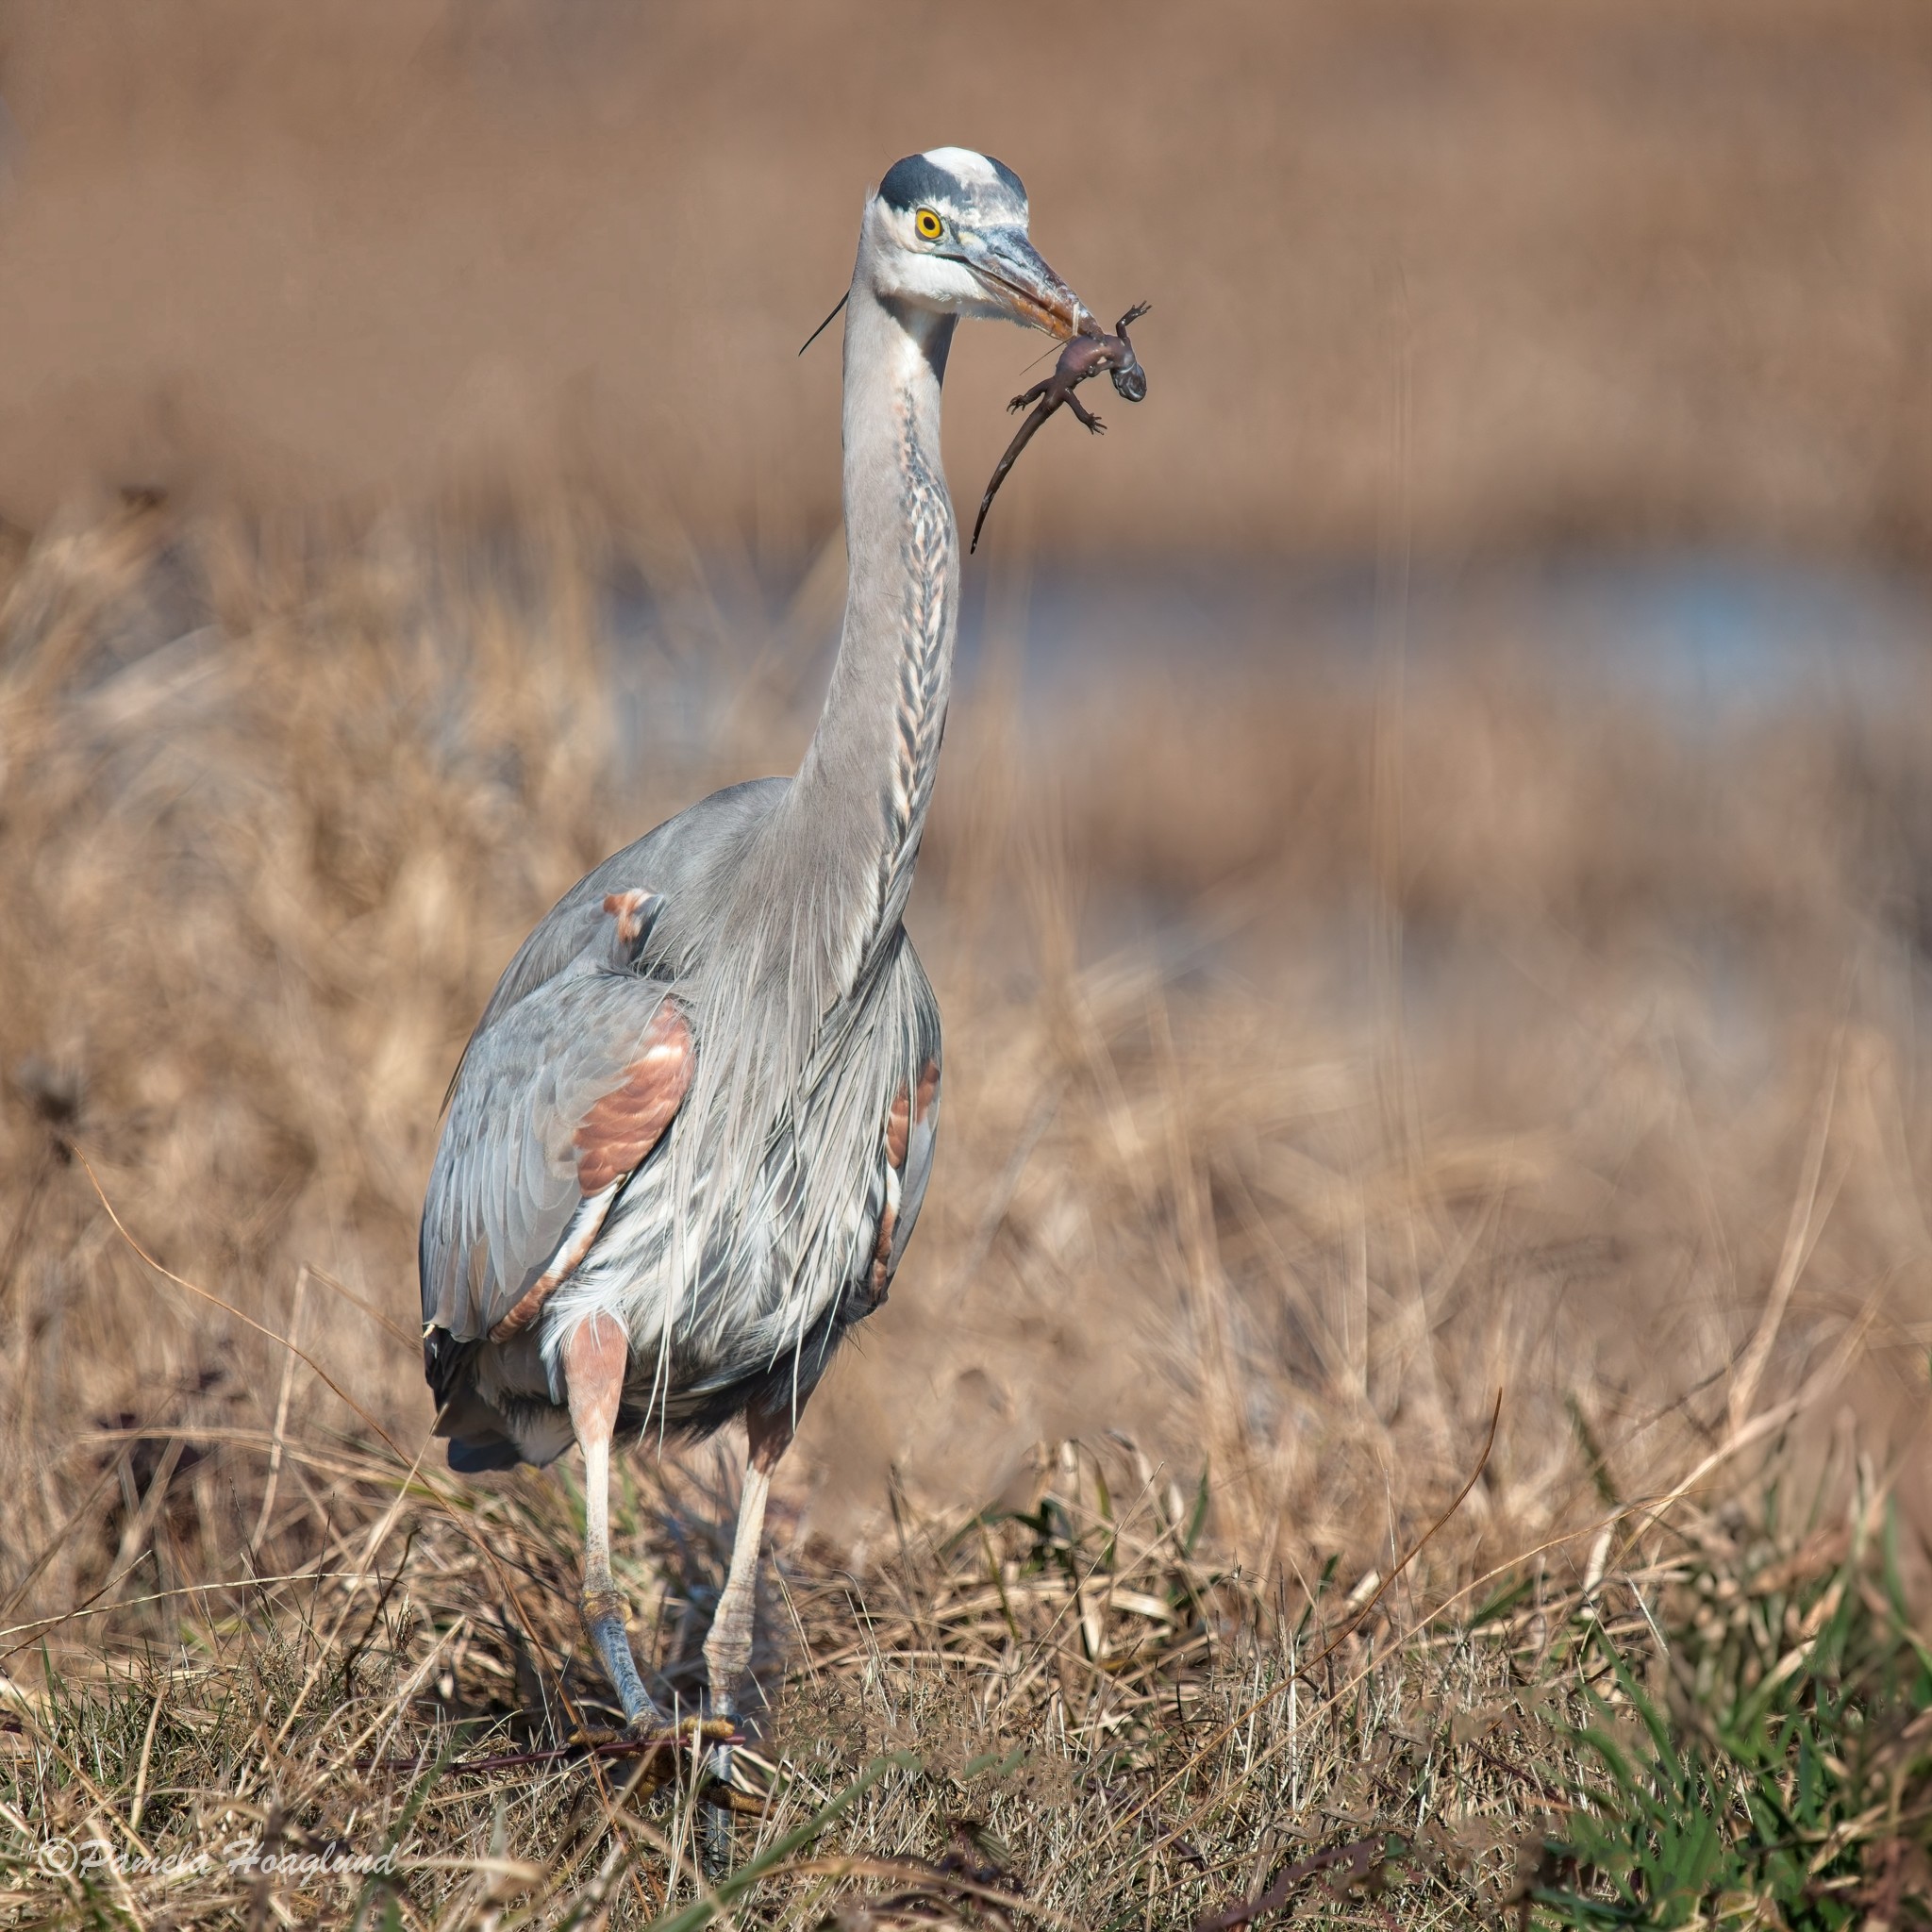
[[489, 1435]]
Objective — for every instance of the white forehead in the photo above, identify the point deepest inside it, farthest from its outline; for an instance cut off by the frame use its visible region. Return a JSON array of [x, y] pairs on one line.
[[970, 184], [971, 168]]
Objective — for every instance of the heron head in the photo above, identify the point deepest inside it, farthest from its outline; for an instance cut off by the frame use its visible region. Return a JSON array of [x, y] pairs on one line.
[[946, 232]]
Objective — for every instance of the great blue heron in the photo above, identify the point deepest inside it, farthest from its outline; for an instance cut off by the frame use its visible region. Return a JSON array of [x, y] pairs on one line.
[[687, 1141]]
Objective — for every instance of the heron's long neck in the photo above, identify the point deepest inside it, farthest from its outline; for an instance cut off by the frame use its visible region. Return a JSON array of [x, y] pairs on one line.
[[861, 796]]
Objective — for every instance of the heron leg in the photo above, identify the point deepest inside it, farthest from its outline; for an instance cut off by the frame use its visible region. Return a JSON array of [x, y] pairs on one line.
[[728, 1649], [594, 1363]]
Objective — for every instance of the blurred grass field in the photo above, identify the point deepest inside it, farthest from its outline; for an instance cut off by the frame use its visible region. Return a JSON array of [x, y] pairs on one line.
[[1659, 268], [1327, 1062], [1408, 1405]]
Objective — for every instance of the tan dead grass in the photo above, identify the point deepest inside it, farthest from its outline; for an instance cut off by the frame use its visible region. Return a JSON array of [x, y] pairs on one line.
[[1502, 1038]]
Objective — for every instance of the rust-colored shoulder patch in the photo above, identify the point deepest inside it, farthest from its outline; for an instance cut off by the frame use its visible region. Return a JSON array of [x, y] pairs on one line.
[[906, 1109], [630, 1119], [898, 1129], [879, 1282], [628, 909]]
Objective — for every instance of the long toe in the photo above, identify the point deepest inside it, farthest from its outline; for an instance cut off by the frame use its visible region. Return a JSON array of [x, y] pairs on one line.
[[649, 1722], [698, 1733], [705, 1739]]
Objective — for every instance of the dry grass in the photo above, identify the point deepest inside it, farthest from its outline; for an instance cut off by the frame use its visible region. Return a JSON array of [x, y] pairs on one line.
[[1324, 1061]]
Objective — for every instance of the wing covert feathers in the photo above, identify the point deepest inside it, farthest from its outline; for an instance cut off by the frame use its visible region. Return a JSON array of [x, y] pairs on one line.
[[558, 1102], [585, 1224], [615, 1138], [623, 1127]]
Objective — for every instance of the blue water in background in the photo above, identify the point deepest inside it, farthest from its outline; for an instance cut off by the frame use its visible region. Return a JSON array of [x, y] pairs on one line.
[[1704, 634], [1708, 636], [1707, 642]]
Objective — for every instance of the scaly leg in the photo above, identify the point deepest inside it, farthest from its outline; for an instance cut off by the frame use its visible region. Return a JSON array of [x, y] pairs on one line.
[[594, 1363], [728, 1649]]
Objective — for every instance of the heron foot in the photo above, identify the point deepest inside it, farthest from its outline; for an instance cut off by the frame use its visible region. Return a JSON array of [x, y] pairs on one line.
[[689, 1732], [603, 1614], [727, 1659]]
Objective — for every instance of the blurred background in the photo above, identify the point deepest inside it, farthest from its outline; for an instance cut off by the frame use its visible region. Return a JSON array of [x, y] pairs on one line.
[[1645, 274], [1431, 882]]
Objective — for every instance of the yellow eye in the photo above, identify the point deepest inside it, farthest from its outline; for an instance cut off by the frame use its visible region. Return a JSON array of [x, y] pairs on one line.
[[929, 225]]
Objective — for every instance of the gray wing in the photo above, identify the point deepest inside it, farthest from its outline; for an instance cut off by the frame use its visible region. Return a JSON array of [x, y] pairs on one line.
[[557, 1102], [672, 860], [563, 1053]]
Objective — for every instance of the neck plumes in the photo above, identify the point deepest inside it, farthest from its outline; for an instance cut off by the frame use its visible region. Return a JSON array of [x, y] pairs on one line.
[[858, 805]]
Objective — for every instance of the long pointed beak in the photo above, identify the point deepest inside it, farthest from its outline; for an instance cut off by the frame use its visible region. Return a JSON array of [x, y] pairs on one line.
[[1011, 272]]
